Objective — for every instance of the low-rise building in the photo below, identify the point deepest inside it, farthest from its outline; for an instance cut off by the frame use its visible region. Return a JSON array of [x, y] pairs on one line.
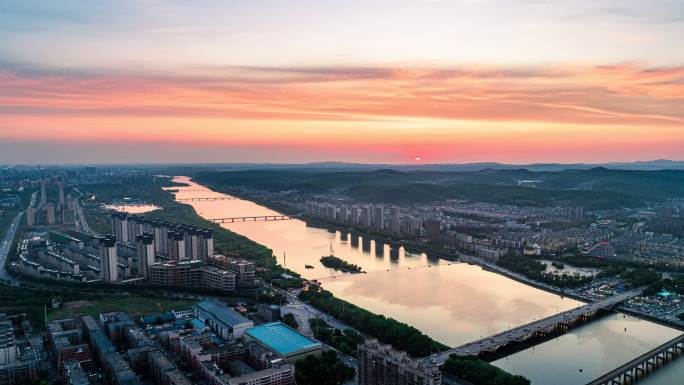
[[287, 343], [223, 320]]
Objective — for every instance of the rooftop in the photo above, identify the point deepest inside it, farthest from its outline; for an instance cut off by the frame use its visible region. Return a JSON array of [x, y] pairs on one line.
[[281, 338], [197, 324], [223, 313]]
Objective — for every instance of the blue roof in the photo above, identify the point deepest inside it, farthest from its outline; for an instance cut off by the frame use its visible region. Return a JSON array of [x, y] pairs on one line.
[[223, 313], [197, 324], [281, 338]]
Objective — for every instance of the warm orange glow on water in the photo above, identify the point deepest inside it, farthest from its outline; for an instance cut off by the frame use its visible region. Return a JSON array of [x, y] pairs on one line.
[[452, 302]]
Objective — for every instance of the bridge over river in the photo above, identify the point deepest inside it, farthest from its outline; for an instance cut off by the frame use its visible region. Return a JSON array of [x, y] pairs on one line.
[[253, 218], [643, 365], [536, 328], [198, 199]]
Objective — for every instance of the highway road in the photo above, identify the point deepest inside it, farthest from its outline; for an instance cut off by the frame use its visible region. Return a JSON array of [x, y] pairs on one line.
[[5, 247], [81, 223], [7, 241]]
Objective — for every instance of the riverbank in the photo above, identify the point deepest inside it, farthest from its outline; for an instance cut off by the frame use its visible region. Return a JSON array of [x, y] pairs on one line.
[[415, 247], [186, 213], [452, 302]]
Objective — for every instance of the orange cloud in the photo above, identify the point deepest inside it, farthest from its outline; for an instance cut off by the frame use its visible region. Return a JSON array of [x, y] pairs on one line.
[[411, 110]]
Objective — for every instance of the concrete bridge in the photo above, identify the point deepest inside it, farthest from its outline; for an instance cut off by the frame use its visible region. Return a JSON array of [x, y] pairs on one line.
[[643, 365], [253, 218], [205, 199], [537, 328]]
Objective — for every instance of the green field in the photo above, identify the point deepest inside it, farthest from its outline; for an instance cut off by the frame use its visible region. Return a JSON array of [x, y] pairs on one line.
[[132, 305]]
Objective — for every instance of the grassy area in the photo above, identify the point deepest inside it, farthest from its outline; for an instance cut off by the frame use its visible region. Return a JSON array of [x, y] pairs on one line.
[[132, 305]]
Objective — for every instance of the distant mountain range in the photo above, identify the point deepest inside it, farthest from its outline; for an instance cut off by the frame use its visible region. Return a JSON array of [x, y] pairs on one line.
[[593, 188], [660, 164]]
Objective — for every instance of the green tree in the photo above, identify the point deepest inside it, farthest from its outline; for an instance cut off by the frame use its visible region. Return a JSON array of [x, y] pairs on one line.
[[478, 372], [289, 320], [326, 370]]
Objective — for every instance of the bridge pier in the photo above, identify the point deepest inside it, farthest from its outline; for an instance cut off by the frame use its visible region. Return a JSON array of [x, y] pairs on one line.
[[379, 248], [355, 240], [639, 373], [365, 244]]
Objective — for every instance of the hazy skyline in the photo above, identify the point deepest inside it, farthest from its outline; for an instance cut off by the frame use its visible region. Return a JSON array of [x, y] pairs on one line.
[[431, 81]]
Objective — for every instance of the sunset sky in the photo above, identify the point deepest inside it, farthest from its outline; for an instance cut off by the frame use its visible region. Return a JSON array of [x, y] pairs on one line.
[[384, 81]]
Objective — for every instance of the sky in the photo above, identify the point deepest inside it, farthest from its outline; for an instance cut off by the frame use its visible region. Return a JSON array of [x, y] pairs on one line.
[[384, 81]]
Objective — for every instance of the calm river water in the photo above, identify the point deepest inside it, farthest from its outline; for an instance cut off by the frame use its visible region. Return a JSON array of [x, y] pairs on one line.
[[453, 303]]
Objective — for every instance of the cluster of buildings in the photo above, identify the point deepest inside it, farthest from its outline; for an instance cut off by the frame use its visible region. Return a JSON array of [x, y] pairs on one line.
[[647, 245], [19, 359], [52, 209], [451, 223], [491, 231], [387, 218], [174, 240], [211, 344], [139, 251]]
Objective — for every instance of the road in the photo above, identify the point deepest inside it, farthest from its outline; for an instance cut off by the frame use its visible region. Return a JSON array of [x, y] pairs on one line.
[[521, 332], [81, 223], [7, 241], [5, 247]]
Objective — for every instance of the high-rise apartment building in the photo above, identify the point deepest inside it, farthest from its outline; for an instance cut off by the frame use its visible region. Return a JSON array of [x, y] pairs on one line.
[[206, 244], [120, 227], [60, 188], [160, 232], [145, 253], [50, 213], [176, 245], [43, 191], [109, 260], [353, 215], [378, 218], [394, 222], [30, 217], [365, 216]]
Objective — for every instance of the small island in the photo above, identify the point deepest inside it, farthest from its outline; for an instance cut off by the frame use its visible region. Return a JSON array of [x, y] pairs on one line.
[[333, 262]]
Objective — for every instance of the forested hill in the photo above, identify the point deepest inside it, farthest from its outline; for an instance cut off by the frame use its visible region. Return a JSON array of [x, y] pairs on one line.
[[597, 188]]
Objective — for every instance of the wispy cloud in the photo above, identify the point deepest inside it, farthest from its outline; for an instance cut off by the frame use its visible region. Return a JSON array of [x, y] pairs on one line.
[[657, 14], [626, 94]]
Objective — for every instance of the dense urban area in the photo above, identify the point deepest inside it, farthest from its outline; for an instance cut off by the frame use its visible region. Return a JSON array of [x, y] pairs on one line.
[[109, 279]]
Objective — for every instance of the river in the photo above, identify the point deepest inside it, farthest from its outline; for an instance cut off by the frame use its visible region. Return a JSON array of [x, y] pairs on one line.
[[453, 303]]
